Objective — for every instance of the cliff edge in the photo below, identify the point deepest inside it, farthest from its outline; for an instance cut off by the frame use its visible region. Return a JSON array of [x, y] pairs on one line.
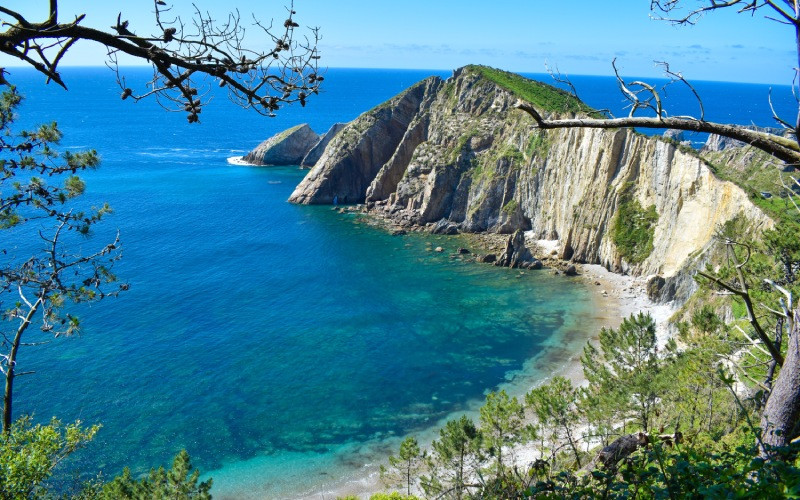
[[459, 151]]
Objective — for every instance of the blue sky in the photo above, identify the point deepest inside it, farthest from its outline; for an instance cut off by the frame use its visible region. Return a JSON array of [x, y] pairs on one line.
[[576, 36]]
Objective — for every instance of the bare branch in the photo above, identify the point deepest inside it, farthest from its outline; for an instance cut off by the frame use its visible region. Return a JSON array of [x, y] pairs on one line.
[[180, 52], [780, 147]]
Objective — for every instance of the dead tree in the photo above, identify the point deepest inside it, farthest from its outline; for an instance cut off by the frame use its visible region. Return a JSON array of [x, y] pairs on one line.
[[643, 96], [186, 55], [781, 414]]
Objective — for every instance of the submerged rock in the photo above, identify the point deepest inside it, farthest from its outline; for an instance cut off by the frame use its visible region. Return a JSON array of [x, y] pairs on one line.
[[286, 148]]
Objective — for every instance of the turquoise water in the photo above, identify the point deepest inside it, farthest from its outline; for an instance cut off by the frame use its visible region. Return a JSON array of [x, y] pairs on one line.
[[283, 346]]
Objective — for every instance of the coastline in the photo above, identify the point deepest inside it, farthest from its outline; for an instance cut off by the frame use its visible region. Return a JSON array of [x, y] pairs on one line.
[[614, 297]]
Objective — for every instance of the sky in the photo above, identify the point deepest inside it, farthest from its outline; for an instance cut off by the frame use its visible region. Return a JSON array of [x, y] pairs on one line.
[[577, 37]]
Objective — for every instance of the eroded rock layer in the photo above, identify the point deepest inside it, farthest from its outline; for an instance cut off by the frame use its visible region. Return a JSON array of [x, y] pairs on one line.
[[458, 151]]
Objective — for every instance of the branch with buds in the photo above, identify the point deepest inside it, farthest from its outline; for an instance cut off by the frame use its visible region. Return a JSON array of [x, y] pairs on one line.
[[184, 55]]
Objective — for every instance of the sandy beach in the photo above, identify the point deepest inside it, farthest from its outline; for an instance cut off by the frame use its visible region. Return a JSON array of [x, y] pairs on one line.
[[615, 297]]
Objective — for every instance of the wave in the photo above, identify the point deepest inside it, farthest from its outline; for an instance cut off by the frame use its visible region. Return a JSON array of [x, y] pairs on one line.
[[239, 160]]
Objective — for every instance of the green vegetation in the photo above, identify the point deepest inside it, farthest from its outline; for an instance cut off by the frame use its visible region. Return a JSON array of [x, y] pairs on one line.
[[541, 95], [180, 482], [693, 435], [633, 227], [39, 184], [404, 468], [461, 143], [510, 207], [512, 154], [29, 453], [539, 144]]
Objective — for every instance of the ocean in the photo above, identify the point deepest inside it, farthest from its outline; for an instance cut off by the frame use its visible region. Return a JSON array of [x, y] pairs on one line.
[[287, 348]]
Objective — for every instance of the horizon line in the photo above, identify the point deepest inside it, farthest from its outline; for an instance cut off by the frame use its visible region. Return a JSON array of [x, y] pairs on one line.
[[437, 70]]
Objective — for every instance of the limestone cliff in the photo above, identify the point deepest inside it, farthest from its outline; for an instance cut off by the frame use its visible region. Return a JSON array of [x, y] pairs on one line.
[[459, 151]]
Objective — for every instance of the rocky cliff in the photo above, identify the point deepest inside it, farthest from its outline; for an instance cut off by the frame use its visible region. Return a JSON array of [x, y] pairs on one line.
[[286, 148], [458, 150]]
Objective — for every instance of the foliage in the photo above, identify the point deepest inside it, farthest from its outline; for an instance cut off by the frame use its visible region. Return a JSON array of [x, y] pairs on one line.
[[455, 457], [392, 496], [627, 366], [38, 184], [539, 144], [554, 405], [29, 454], [502, 426], [541, 95], [684, 471], [183, 53], [510, 207], [180, 482], [633, 227], [405, 467]]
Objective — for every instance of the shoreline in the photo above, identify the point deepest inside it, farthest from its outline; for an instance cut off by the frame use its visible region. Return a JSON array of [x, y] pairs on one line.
[[614, 297]]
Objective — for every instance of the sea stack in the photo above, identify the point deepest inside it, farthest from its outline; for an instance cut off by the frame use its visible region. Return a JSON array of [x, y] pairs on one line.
[[286, 148]]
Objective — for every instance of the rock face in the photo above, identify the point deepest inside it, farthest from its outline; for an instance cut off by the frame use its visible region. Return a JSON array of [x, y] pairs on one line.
[[458, 154], [287, 148], [353, 158], [311, 158], [516, 254], [719, 143]]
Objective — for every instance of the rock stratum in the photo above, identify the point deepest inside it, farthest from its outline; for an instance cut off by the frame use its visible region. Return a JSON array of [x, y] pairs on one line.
[[456, 154]]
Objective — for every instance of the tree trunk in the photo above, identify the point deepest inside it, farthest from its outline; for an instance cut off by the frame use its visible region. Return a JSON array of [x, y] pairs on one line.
[[10, 369], [779, 422]]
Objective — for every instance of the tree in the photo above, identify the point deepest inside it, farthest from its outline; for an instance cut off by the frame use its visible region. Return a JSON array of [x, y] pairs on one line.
[[502, 426], [180, 483], [39, 184], [455, 457], [404, 467], [29, 453], [781, 414], [627, 365], [644, 96], [555, 406], [180, 51]]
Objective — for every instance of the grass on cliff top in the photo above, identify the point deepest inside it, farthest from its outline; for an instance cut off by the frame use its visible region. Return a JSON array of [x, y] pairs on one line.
[[541, 95]]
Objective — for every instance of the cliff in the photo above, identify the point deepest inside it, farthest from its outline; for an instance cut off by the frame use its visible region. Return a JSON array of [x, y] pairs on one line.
[[458, 150], [311, 158], [286, 148]]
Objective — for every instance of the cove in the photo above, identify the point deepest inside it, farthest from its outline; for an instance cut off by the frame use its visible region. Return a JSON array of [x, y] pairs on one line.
[[281, 345]]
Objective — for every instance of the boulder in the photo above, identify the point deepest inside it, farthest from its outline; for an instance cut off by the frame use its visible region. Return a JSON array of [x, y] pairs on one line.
[[654, 286], [311, 158], [571, 270], [286, 148], [462, 251], [516, 254], [445, 227], [488, 258]]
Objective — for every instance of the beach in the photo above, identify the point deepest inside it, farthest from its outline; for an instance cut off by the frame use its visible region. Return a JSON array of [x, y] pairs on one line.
[[615, 297]]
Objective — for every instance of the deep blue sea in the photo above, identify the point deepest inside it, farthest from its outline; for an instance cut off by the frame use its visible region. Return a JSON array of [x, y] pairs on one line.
[[285, 347]]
